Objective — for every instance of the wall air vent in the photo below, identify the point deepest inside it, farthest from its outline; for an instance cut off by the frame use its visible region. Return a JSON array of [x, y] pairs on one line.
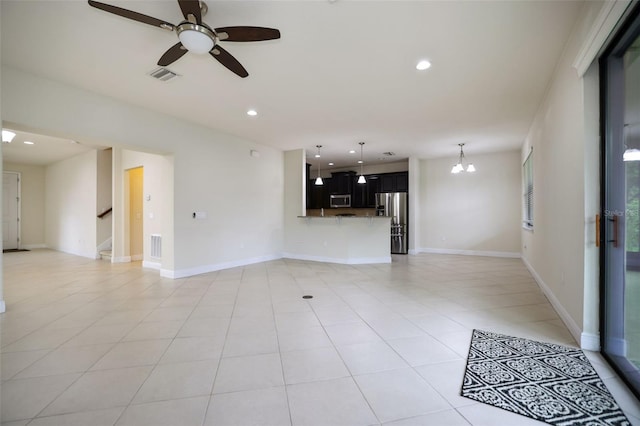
[[163, 74]]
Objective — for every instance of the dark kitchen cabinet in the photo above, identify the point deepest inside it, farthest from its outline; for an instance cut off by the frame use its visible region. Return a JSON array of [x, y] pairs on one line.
[[364, 194], [341, 183], [317, 195], [394, 182], [359, 196], [373, 187], [402, 182]]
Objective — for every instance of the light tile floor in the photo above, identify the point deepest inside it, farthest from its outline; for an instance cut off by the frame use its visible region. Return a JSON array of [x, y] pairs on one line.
[[86, 342]]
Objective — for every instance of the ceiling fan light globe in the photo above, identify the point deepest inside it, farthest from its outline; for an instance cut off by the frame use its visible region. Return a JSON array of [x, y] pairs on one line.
[[196, 38], [471, 168]]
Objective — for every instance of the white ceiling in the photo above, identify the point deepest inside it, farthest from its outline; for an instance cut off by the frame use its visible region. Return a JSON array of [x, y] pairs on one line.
[[343, 71], [45, 149]]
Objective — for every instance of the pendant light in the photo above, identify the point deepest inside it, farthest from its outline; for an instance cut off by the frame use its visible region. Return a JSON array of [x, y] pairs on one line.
[[459, 167], [361, 179], [318, 179]]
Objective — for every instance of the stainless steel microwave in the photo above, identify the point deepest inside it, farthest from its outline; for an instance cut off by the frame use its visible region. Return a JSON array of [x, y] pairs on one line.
[[342, 200]]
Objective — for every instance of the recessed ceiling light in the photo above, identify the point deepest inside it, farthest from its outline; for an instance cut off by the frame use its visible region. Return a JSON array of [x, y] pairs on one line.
[[353, 151], [423, 65], [359, 161], [331, 164], [7, 136], [28, 143], [252, 112]]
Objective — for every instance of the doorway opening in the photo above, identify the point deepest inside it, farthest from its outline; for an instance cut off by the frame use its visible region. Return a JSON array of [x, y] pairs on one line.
[[134, 226], [10, 211]]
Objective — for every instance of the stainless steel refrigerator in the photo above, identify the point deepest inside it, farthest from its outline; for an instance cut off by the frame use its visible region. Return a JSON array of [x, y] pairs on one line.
[[394, 205]]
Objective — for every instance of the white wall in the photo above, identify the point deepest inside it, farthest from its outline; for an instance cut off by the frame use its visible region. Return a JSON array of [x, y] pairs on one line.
[[103, 196], [471, 213], [560, 249], [32, 213], [243, 198], [213, 171], [155, 199], [70, 205], [415, 203]]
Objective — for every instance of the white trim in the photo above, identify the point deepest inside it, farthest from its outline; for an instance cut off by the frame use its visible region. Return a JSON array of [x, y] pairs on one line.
[[3, 307], [121, 259], [183, 273], [574, 329], [34, 246], [137, 257], [608, 16], [152, 265], [413, 252], [340, 260], [590, 342], [89, 255], [509, 254]]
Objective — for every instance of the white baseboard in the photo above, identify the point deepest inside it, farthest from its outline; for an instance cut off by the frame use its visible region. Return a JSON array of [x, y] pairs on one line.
[[509, 254], [590, 342], [137, 257], [151, 265], [349, 261], [3, 307], [34, 246], [183, 273], [89, 255], [574, 329], [121, 259]]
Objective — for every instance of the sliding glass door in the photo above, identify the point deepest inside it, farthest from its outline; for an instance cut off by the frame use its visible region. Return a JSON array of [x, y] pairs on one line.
[[620, 222]]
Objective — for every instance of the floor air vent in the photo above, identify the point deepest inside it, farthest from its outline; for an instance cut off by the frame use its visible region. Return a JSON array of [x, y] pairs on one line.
[[163, 74], [156, 246]]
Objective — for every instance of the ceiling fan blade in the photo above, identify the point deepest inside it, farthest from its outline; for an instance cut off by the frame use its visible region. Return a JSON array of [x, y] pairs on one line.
[[125, 13], [191, 7], [173, 54], [247, 33], [228, 61]]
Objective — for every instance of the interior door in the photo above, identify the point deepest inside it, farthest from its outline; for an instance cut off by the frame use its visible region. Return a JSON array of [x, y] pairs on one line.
[[10, 210], [620, 242]]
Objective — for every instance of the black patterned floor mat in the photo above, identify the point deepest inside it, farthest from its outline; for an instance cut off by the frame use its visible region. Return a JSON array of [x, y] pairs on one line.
[[547, 382]]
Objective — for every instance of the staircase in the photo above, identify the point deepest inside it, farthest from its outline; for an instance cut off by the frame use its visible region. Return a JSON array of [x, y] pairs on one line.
[[105, 255]]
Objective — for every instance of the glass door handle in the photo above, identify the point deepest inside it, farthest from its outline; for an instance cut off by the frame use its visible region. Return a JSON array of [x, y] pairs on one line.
[[615, 220], [597, 230]]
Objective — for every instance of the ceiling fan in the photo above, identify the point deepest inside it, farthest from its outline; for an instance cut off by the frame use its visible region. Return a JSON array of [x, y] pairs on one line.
[[196, 36]]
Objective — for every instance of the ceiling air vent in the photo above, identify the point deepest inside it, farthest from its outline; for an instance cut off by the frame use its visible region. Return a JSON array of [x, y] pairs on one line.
[[389, 154], [163, 74]]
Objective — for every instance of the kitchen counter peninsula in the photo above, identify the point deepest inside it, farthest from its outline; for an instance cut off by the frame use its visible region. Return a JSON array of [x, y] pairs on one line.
[[347, 239]]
